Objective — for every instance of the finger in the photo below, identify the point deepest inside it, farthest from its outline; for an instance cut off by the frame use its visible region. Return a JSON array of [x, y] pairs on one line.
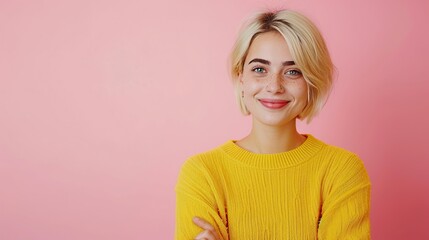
[[203, 224], [206, 235], [210, 230]]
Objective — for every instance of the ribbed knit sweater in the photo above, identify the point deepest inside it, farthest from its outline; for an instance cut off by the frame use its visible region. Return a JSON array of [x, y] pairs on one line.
[[315, 191]]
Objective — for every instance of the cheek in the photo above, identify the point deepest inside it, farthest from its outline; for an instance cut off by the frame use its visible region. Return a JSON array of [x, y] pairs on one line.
[[251, 87], [302, 90], [298, 88]]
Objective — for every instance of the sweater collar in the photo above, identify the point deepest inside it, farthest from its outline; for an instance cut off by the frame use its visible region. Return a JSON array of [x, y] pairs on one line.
[[275, 160]]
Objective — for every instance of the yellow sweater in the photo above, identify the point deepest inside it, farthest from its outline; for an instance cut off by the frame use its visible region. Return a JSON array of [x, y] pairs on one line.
[[315, 191]]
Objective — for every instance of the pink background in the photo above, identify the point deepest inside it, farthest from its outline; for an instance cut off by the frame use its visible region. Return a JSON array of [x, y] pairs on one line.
[[102, 101]]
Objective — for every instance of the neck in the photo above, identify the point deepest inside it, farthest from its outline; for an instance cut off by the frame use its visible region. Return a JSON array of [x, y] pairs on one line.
[[272, 139]]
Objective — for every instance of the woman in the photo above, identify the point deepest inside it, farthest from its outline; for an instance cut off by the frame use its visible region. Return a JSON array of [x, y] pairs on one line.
[[276, 183]]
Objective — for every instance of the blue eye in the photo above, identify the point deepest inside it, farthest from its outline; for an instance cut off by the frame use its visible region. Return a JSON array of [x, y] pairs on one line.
[[258, 70], [293, 73]]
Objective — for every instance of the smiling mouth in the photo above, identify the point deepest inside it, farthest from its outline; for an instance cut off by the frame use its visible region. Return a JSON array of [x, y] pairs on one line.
[[273, 103]]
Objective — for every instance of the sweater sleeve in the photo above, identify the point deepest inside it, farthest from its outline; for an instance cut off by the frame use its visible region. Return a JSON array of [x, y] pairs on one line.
[[195, 196], [345, 211]]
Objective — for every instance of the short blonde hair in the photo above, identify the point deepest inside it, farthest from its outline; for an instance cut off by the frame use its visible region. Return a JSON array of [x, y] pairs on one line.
[[308, 50]]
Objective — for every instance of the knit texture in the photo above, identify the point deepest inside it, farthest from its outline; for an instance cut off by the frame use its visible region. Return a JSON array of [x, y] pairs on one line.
[[315, 191]]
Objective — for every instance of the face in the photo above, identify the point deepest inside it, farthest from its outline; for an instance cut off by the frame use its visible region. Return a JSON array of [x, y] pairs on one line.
[[274, 89]]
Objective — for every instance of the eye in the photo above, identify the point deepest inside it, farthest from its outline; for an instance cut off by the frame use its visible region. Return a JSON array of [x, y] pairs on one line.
[[259, 70], [293, 73]]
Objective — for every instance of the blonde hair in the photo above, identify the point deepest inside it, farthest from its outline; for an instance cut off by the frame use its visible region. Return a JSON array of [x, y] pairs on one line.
[[308, 50]]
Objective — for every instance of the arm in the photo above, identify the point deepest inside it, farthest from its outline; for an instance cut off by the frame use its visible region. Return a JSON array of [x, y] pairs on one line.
[[195, 196], [345, 211]]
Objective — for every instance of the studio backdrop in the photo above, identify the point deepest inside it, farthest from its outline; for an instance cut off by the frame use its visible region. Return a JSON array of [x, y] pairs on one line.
[[101, 102]]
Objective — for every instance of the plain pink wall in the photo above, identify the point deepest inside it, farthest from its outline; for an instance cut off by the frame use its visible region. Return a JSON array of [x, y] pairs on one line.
[[102, 101]]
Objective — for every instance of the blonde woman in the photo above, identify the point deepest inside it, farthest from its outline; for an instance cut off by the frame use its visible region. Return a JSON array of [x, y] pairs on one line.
[[276, 183]]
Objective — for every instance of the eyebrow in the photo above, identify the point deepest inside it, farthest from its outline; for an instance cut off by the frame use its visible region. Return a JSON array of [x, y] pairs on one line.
[[263, 61]]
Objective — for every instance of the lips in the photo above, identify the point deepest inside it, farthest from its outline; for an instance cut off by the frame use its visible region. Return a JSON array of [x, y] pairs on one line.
[[273, 103]]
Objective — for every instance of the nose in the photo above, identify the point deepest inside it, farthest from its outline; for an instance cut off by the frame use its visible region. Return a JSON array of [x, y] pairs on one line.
[[274, 84]]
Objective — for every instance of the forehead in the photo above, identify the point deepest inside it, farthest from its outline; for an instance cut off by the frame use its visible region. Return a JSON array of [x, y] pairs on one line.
[[270, 46]]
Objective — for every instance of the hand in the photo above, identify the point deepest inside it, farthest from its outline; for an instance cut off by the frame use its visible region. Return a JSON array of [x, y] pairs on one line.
[[209, 232]]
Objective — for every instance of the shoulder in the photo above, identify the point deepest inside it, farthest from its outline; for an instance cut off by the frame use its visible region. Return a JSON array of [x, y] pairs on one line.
[[199, 174], [204, 164], [336, 152], [341, 163], [344, 170], [205, 159], [338, 156]]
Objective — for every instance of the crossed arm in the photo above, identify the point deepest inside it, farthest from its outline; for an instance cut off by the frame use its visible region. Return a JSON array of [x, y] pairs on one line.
[[334, 223], [345, 210]]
